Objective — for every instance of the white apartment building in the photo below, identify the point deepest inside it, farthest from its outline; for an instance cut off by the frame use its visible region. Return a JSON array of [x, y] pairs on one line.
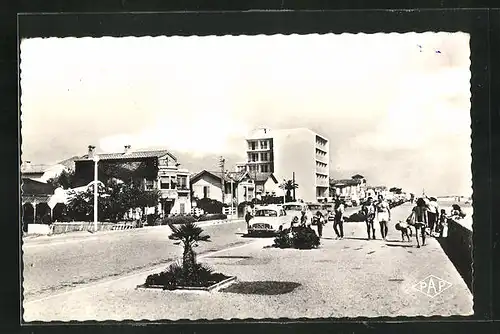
[[284, 152]]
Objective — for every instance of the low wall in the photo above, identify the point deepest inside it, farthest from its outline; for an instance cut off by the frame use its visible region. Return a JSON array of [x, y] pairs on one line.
[[40, 229], [458, 247], [58, 228]]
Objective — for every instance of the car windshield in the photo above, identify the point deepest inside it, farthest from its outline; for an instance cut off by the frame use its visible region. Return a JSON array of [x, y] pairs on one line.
[[314, 207], [266, 213], [327, 206], [292, 207]]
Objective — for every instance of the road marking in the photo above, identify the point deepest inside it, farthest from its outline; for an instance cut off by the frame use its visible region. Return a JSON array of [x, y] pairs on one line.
[[144, 272]]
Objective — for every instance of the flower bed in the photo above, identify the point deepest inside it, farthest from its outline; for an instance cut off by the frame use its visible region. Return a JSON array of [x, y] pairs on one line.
[[187, 274], [178, 278]]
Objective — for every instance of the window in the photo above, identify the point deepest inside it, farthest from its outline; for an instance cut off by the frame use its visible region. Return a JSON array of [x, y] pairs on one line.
[[253, 157], [263, 144], [264, 157], [254, 168], [173, 182], [252, 145], [182, 208], [149, 184], [165, 183], [182, 182], [206, 192], [266, 213], [264, 168], [293, 207]]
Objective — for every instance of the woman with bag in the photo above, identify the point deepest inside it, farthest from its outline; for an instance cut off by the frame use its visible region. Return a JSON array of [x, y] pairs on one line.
[[418, 219]]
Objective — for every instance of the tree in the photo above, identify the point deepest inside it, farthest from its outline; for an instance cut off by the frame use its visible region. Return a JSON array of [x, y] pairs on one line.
[[189, 235], [64, 180], [396, 190], [288, 186]]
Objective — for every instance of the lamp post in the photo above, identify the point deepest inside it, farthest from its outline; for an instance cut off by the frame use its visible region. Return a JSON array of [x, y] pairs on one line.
[[96, 194]]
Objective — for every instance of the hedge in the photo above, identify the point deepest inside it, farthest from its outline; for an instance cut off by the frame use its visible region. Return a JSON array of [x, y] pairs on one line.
[[191, 219]]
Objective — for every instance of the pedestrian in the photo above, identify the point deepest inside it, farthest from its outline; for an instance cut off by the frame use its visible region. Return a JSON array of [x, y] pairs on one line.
[[338, 219], [368, 210], [383, 215], [457, 212], [320, 221], [418, 219], [303, 218], [432, 215], [442, 222], [249, 215]]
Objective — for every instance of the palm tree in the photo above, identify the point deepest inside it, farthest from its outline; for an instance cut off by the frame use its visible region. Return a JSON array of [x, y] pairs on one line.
[[189, 235], [289, 186]]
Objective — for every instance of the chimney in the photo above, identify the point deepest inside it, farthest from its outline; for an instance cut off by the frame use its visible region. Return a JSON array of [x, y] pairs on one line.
[[91, 151], [127, 148]]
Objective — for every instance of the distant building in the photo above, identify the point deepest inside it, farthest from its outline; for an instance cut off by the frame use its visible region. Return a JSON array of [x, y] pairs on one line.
[[153, 169], [239, 187], [347, 187], [45, 172], [285, 152]]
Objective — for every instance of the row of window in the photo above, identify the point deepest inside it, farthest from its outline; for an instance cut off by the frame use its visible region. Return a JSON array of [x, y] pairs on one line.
[[321, 164], [254, 145], [260, 168], [320, 152], [320, 141], [168, 182], [254, 157]]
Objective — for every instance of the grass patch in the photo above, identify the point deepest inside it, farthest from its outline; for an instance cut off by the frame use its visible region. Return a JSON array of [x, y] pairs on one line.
[[262, 288]]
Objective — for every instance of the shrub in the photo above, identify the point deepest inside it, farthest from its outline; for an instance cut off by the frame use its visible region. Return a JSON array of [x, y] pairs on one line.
[[356, 217], [210, 205], [305, 238], [301, 237], [176, 275], [216, 216], [178, 220]]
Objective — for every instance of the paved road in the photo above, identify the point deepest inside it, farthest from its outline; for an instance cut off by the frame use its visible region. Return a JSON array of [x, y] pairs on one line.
[[352, 277], [64, 262]]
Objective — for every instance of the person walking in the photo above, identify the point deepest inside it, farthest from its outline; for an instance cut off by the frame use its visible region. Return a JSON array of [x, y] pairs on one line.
[[383, 215], [418, 219], [249, 215], [338, 219], [432, 215], [320, 221], [368, 210]]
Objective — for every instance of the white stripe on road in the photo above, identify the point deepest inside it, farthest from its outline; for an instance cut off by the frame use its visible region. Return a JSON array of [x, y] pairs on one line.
[[134, 275], [83, 238]]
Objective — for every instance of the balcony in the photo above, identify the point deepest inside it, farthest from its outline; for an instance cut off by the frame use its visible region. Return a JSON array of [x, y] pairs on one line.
[[169, 193], [182, 189]]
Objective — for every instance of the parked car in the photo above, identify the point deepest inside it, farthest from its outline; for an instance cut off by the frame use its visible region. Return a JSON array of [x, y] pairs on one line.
[[269, 220], [295, 209]]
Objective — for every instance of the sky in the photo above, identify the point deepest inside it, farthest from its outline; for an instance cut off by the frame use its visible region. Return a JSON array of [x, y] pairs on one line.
[[395, 107]]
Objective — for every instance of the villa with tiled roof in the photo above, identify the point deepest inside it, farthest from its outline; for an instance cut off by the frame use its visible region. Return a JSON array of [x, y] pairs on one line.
[[154, 169]]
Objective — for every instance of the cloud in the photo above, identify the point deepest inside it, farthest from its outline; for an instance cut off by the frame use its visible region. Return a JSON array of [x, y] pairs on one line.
[[380, 99]]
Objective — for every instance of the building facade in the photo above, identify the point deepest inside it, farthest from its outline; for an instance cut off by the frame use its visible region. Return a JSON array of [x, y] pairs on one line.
[[288, 153], [239, 187], [153, 169]]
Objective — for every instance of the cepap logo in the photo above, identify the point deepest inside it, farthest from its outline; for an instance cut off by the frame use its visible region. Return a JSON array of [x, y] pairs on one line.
[[432, 286]]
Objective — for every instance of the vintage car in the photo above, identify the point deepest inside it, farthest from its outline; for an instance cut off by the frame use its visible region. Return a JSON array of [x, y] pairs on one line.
[[314, 208], [294, 209], [269, 220]]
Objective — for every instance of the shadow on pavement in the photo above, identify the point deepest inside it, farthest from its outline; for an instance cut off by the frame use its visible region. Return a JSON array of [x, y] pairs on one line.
[[262, 288], [400, 245]]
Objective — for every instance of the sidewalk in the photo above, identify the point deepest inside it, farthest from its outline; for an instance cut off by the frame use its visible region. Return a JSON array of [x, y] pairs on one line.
[[74, 236], [344, 278]]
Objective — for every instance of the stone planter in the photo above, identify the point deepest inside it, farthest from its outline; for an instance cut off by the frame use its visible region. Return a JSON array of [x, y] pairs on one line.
[[216, 286]]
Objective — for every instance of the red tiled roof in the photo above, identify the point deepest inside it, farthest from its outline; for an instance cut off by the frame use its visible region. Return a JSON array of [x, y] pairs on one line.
[[345, 182], [131, 155], [34, 169], [228, 177]]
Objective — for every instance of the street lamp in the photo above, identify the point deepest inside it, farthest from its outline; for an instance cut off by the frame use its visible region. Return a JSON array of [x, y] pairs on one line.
[[96, 194]]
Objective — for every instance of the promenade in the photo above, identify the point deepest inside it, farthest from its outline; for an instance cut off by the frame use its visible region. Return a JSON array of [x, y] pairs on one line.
[[343, 278]]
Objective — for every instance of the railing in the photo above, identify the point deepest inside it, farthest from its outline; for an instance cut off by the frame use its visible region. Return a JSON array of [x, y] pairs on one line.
[[229, 211], [59, 228]]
